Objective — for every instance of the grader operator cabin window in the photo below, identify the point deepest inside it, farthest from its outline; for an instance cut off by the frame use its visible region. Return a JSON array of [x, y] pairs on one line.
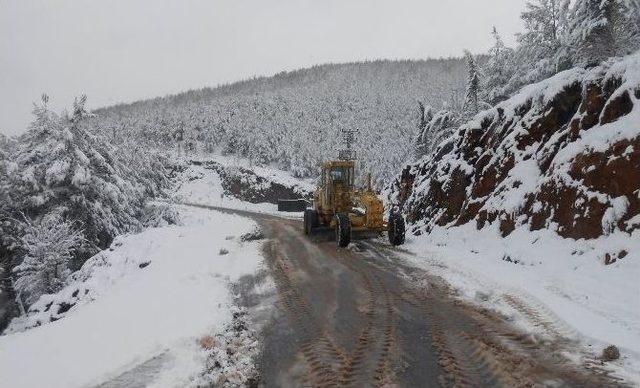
[[342, 175]]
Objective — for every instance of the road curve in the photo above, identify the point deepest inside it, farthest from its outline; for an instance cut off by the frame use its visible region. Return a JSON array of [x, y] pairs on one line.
[[362, 317]]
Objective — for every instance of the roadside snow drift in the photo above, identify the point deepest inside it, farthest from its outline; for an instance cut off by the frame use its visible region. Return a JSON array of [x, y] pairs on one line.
[[551, 286], [146, 300]]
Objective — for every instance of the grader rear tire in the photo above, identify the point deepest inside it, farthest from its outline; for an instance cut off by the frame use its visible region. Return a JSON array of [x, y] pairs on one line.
[[343, 230], [396, 229]]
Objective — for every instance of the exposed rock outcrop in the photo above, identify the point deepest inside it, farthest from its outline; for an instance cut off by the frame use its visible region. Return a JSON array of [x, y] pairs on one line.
[[562, 154], [247, 185]]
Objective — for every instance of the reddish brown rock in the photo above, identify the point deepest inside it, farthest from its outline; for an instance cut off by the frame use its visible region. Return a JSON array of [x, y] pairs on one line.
[[479, 164]]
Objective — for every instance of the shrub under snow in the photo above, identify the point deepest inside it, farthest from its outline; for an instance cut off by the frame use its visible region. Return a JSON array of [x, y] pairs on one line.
[[48, 245]]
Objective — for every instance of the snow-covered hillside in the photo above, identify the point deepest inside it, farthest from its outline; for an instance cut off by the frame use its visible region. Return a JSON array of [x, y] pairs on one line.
[[142, 304], [537, 201], [294, 119]]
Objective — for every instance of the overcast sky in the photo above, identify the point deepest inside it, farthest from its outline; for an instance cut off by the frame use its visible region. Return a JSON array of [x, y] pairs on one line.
[[124, 50]]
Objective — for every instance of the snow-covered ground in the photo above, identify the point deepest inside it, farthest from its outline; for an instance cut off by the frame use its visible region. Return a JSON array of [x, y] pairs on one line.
[[272, 174], [550, 285], [203, 186], [149, 299]]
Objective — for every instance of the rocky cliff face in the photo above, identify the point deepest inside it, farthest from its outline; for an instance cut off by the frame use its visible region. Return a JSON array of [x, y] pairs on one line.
[[563, 154]]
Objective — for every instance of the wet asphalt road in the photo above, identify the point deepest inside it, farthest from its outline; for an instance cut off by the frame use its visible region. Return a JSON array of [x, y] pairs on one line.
[[362, 317]]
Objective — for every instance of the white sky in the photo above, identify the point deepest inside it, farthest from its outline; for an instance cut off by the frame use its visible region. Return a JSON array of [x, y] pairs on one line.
[[124, 50]]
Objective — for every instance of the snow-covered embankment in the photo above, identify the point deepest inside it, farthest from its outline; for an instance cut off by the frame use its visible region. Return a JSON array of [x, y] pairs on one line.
[[148, 300]]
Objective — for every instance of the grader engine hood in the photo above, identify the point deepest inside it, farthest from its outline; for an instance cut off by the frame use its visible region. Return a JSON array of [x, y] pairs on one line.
[[373, 210]]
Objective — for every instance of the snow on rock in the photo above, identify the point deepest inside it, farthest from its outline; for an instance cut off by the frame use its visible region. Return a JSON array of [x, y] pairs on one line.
[[145, 301], [563, 153]]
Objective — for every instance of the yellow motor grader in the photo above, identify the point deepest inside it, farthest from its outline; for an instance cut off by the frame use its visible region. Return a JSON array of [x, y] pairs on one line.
[[339, 206]]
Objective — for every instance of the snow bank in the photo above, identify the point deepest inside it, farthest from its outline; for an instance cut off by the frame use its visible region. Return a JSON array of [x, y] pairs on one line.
[[570, 292], [146, 300]]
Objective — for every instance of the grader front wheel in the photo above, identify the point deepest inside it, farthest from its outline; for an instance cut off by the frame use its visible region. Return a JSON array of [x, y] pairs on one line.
[[343, 230]]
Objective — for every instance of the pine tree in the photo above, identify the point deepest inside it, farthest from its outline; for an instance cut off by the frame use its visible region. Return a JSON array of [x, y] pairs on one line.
[[439, 128], [3, 146], [626, 22], [5, 190], [425, 114], [544, 25], [6, 232], [48, 246], [497, 70], [3, 165], [593, 31], [421, 143], [472, 99], [61, 168], [560, 34]]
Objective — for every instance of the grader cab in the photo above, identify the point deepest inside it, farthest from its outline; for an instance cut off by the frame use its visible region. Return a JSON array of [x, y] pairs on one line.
[[339, 206]]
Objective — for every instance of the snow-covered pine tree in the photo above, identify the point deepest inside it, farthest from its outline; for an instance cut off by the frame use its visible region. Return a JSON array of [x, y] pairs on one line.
[[421, 143], [626, 26], [441, 126], [545, 22], [472, 96], [425, 114], [3, 168], [5, 199], [48, 246], [592, 31], [5, 237], [497, 70], [540, 53], [141, 156], [58, 167], [3, 146]]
